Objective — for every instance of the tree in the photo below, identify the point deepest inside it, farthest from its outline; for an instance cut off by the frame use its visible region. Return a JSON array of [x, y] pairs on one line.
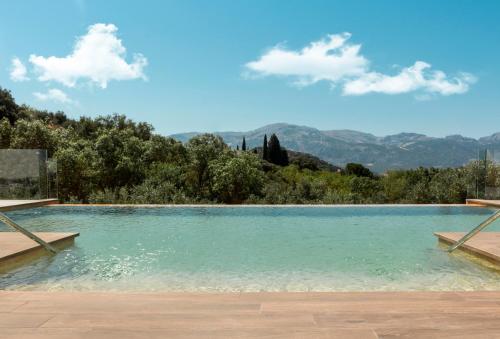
[[244, 145], [276, 154], [395, 186], [417, 187], [164, 184], [234, 179], [284, 157], [265, 153], [202, 149], [274, 150], [35, 135], [5, 133], [448, 186], [366, 190], [120, 158], [358, 170], [8, 107], [76, 163], [160, 149]]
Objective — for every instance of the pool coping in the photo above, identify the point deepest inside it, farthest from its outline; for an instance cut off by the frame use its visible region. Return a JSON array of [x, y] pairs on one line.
[[483, 203], [14, 205], [260, 205]]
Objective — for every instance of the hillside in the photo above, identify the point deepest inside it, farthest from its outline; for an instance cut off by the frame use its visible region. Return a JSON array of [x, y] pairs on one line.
[[338, 147]]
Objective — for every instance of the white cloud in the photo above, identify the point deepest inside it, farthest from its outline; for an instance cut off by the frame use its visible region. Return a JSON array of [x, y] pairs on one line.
[[18, 71], [98, 56], [413, 78], [54, 94], [336, 61], [330, 59]]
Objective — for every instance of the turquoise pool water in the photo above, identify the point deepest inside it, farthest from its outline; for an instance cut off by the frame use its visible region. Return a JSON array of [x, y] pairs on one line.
[[253, 249]]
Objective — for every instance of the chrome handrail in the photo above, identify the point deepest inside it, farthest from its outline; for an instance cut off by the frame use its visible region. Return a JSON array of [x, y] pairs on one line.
[[475, 231], [9, 222]]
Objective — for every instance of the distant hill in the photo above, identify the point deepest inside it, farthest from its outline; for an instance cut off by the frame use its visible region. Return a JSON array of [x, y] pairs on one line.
[[338, 147]]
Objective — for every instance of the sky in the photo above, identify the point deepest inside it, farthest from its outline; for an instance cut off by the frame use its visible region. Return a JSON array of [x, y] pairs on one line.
[[381, 67]]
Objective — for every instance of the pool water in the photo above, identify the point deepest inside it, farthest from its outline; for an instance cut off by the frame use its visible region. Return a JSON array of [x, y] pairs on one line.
[[253, 249]]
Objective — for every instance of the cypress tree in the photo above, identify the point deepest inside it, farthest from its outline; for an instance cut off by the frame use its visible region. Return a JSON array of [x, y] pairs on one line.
[[274, 150], [237, 147], [284, 157], [244, 145], [265, 153]]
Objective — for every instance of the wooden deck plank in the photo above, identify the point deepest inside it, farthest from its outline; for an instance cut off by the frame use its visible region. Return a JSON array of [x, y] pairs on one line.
[[272, 315], [193, 333], [207, 320], [11, 320]]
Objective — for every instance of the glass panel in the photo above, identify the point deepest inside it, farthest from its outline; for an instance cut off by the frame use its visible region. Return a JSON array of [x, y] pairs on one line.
[[492, 181], [27, 174]]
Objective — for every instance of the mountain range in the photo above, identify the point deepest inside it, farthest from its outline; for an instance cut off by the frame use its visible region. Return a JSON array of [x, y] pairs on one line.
[[338, 147]]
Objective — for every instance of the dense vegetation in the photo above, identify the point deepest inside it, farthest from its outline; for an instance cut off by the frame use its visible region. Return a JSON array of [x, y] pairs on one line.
[[113, 159]]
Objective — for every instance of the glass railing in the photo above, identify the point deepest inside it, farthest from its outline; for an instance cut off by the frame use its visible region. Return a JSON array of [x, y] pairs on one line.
[[27, 174]]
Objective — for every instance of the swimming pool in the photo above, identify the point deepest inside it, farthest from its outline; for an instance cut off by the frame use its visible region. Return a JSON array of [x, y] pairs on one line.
[[253, 249]]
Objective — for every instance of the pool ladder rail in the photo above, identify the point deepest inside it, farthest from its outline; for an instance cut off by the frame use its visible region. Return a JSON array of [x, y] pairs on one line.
[[475, 231], [9, 222]]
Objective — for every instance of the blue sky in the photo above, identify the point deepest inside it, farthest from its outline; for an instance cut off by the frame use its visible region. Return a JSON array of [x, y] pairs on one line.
[[238, 65]]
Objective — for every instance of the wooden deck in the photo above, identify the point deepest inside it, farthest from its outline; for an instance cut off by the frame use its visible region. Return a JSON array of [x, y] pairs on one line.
[[482, 202], [485, 245], [16, 248], [12, 205], [250, 315]]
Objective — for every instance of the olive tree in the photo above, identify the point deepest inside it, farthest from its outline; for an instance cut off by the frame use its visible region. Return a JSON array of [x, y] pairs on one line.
[[235, 178]]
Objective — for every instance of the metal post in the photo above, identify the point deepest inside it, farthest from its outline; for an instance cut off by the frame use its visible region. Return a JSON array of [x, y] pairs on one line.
[[485, 172]]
